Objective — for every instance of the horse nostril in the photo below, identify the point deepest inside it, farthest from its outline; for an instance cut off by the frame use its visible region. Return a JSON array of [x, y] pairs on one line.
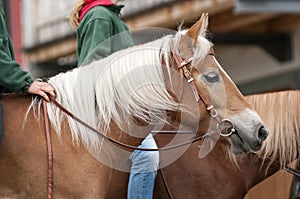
[[262, 133]]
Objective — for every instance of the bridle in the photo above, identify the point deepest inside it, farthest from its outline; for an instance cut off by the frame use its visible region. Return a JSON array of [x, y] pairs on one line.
[[182, 67], [185, 73]]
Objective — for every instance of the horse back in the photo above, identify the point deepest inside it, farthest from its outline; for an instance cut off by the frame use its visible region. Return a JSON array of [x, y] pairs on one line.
[[20, 149], [23, 157]]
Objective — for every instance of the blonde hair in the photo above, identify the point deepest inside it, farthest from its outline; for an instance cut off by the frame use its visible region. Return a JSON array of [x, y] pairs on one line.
[[74, 17]]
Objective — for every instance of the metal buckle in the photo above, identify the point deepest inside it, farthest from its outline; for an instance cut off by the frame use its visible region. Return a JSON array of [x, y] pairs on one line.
[[210, 107], [214, 115], [184, 63], [187, 72], [190, 80]]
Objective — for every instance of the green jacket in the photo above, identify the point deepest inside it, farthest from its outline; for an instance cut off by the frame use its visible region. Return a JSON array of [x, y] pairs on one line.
[[96, 30], [12, 77]]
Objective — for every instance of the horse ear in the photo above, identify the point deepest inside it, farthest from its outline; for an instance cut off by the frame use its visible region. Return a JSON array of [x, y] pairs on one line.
[[190, 38], [199, 28]]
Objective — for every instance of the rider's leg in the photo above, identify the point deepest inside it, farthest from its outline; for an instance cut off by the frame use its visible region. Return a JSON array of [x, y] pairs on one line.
[[143, 170]]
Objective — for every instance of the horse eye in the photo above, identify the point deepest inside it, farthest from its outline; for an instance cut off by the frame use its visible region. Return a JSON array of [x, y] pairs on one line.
[[212, 77]]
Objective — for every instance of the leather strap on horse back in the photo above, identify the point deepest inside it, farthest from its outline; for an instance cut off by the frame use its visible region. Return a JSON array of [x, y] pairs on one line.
[[1, 122], [49, 152], [160, 171], [292, 171]]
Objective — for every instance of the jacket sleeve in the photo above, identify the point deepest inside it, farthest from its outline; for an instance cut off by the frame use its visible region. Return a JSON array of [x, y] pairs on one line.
[[12, 77], [95, 41]]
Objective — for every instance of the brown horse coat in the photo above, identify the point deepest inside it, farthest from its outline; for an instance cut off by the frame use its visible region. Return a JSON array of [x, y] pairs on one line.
[[107, 96]]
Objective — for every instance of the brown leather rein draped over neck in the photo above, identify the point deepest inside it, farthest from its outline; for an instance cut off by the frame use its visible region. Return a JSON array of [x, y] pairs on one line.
[[49, 152]]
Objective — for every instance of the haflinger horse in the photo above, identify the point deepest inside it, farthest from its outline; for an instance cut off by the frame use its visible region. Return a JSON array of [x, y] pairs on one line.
[[216, 176], [123, 96], [223, 175]]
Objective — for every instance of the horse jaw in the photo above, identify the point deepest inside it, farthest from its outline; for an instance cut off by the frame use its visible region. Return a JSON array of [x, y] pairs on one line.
[[244, 140]]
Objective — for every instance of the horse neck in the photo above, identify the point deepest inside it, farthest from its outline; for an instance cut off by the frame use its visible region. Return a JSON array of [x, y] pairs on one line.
[[239, 179], [254, 170], [209, 177]]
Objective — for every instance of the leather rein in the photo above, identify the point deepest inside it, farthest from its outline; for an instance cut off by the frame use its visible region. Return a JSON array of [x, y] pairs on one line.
[[185, 73], [292, 171], [182, 67]]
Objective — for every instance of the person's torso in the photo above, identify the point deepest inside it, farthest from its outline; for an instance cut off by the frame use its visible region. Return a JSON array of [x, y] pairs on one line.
[[5, 43], [118, 35], [4, 36]]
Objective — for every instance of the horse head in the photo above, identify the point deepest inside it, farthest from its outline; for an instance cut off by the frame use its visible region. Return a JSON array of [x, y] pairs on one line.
[[221, 105]]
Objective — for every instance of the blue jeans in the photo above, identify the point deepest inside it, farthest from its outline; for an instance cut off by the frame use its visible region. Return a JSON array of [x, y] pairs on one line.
[[143, 170]]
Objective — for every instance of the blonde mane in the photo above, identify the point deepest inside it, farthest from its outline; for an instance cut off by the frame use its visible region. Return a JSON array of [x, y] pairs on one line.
[[128, 83], [280, 112]]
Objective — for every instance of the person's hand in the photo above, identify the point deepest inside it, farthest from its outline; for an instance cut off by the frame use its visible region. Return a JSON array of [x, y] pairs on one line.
[[42, 89]]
